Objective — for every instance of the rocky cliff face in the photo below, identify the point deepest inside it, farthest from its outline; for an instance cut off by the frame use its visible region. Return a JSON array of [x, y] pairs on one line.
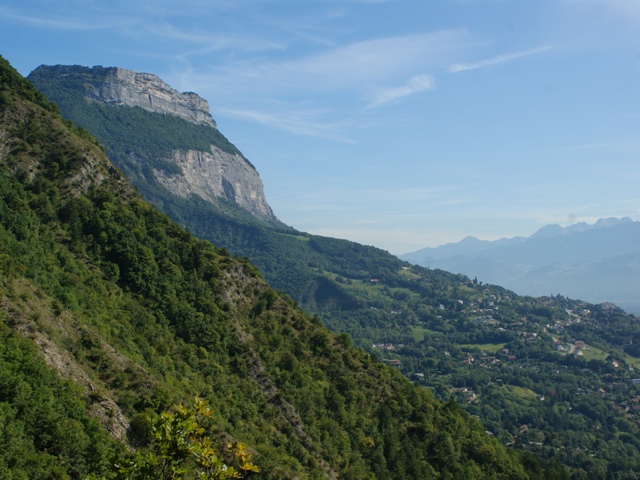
[[209, 174], [217, 174], [118, 86]]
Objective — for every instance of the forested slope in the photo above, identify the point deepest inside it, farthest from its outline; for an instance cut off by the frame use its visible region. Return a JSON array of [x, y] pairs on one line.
[[550, 376], [142, 315]]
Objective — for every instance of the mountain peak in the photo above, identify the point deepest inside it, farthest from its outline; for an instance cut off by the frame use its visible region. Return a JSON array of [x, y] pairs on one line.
[[169, 143], [610, 222], [548, 231], [556, 230], [470, 239], [119, 86]]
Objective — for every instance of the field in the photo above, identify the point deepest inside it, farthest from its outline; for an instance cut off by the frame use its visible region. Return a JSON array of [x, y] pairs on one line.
[[592, 353], [485, 347]]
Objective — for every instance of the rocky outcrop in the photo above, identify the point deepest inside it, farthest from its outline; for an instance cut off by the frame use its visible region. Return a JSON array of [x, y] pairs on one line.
[[217, 174], [118, 86], [21, 312], [214, 173]]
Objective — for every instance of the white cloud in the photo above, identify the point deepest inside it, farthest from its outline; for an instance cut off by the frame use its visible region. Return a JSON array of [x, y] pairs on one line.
[[507, 57], [375, 60], [59, 22], [358, 66], [297, 122], [416, 84], [355, 70], [210, 42]]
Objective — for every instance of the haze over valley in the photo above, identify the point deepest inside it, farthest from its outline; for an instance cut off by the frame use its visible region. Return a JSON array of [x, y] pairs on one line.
[[597, 262]]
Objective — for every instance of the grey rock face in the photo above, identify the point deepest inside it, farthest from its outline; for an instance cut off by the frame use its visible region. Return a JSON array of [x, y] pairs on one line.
[[118, 86], [211, 174], [217, 174]]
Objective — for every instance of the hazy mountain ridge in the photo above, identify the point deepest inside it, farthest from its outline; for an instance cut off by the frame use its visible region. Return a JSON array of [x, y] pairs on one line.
[[577, 261]]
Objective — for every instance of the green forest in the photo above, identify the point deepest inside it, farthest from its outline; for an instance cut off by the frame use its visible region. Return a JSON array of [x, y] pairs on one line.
[[112, 316], [554, 380]]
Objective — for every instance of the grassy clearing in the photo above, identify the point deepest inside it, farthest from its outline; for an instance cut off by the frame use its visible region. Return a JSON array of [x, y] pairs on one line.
[[521, 392], [419, 333], [592, 353], [404, 272], [633, 361], [485, 347]]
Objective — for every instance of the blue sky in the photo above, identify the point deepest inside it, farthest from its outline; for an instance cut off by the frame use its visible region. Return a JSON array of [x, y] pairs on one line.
[[395, 123]]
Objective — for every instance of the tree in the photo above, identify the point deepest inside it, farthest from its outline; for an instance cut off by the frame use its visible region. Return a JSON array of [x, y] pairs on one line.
[[180, 450]]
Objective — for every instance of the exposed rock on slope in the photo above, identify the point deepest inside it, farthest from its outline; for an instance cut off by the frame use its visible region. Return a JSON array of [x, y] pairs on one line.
[[217, 174], [210, 169], [118, 86]]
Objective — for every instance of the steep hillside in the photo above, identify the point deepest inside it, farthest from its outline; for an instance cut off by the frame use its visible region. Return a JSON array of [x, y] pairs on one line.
[[142, 315], [456, 336], [294, 262]]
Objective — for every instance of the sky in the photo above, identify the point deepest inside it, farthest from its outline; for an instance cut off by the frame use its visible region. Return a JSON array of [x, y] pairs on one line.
[[395, 123]]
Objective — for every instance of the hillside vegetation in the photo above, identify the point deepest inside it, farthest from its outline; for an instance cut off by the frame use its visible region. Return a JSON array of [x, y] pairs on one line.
[[549, 377], [140, 315]]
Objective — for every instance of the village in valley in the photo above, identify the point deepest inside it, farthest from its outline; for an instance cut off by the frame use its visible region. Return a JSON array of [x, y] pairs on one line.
[[504, 347]]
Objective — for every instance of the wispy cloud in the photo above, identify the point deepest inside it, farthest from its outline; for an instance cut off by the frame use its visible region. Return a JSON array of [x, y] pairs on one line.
[[210, 42], [375, 60], [65, 23], [416, 84], [507, 57], [358, 66], [297, 122], [379, 71]]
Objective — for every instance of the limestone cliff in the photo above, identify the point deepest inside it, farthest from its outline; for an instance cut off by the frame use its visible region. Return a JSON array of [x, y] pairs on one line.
[[208, 172], [217, 174], [118, 86]]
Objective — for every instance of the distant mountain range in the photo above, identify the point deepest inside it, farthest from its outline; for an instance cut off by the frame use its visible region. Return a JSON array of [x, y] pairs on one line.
[[595, 262]]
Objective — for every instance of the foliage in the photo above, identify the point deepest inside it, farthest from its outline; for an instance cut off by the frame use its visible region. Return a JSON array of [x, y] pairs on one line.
[[154, 315], [180, 450], [44, 430], [494, 353], [11, 82]]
